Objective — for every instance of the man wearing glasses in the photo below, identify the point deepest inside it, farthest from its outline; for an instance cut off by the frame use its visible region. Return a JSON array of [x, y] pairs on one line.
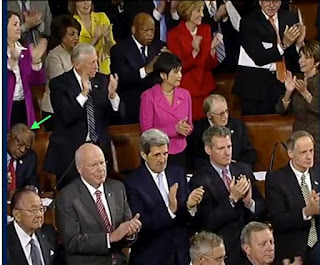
[[217, 113], [21, 160], [29, 241]]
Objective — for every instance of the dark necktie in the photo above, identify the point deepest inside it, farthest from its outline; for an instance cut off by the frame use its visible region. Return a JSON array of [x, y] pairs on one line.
[[11, 176], [91, 118], [28, 34], [35, 253], [143, 54]]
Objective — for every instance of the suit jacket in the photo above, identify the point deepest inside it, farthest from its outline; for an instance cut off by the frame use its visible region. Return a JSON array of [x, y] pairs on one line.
[[160, 235], [71, 125], [285, 202], [47, 238], [156, 112], [126, 62], [242, 150], [43, 29], [215, 213], [81, 228]]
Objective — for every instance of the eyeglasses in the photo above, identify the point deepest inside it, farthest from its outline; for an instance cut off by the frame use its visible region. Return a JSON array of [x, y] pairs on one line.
[[20, 143], [42, 209], [95, 166], [220, 259], [221, 113]]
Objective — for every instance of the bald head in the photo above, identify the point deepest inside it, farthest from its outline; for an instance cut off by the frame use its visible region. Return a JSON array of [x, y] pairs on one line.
[[143, 28]]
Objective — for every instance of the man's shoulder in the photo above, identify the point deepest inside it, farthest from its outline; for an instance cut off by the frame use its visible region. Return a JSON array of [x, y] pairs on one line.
[[63, 77], [279, 175], [123, 45]]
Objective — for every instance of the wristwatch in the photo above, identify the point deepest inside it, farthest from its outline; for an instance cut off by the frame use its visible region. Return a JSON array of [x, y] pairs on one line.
[[232, 202], [284, 46]]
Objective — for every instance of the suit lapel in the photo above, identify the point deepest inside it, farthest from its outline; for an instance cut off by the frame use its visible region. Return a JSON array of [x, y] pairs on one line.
[[134, 55], [45, 247], [293, 185], [314, 179], [17, 253], [216, 184], [111, 203]]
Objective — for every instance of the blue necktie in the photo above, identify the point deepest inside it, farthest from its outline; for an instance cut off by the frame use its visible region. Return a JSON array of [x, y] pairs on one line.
[[163, 26], [162, 189], [143, 54]]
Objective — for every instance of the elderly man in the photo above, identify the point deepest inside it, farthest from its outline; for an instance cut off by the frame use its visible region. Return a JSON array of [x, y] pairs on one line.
[[21, 160], [216, 109], [207, 249], [133, 59], [292, 194], [160, 194], [29, 241], [269, 38], [231, 197], [82, 100], [93, 215]]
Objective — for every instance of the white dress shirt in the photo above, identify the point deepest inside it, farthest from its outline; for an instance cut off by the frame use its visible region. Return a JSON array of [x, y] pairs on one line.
[[142, 70]]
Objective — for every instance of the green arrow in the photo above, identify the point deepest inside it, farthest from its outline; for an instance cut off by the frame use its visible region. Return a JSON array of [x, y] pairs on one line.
[[35, 125]]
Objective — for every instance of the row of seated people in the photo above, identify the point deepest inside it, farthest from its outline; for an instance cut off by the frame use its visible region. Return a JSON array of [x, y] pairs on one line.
[[156, 207]]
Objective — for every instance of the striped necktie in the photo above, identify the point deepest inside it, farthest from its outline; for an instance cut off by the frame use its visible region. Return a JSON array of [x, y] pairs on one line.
[[91, 117]]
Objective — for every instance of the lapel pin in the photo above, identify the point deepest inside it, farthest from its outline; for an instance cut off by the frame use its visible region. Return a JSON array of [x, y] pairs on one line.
[[20, 162], [232, 131], [316, 182], [96, 86], [178, 101], [22, 55], [109, 194]]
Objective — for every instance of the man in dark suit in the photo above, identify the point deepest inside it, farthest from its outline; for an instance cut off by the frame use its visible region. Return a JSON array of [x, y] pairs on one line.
[[82, 100], [292, 194], [29, 242], [21, 160], [160, 194], [231, 197], [94, 218], [267, 38], [133, 60], [216, 109]]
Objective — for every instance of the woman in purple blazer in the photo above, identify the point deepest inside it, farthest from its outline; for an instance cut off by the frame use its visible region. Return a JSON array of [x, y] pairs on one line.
[[167, 107], [24, 71]]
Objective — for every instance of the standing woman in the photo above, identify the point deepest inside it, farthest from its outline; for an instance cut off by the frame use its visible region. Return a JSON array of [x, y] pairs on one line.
[[65, 36], [167, 107], [95, 30], [24, 71], [193, 43]]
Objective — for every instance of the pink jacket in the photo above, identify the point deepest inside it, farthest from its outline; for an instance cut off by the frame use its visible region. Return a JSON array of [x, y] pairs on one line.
[[156, 112]]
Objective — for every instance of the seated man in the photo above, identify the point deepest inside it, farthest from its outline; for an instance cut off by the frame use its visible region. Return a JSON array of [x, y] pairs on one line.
[[160, 194], [94, 218], [21, 160], [292, 194], [257, 243], [29, 241], [231, 197], [216, 109], [207, 248]]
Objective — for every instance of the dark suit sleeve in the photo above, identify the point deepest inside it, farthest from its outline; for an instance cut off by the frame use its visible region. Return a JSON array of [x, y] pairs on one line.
[[247, 153], [33, 179]]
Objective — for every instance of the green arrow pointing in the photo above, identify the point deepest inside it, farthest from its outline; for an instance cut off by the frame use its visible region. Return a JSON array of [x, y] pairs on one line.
[[35, 125]]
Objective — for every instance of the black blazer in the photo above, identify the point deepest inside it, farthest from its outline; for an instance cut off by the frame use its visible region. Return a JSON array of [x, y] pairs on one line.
[[285, 202], [160, 235], [47, 238], [242, 150], [215, 213], [26, 170]]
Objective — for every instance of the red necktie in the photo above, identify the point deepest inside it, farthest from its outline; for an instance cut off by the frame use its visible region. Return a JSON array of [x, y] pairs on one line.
[[12, 177], [226, 178]]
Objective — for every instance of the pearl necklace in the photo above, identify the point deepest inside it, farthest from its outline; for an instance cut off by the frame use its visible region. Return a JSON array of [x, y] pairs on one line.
[[168, 94]]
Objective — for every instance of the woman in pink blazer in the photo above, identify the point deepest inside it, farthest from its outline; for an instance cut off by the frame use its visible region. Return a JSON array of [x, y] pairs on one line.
[[167, 107]]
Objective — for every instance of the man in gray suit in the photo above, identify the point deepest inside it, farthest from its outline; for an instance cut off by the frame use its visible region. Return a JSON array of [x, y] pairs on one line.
[[94, 219], [35, 18]]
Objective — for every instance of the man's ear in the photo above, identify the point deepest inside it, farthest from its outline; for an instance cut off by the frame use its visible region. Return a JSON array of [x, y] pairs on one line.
[[246, 248], [133, 29], [207, 149], [290, 154], [79, 168], [16, 215], [143, 155]]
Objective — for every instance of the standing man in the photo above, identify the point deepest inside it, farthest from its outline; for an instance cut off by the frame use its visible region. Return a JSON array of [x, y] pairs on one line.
[[29, 241], [231, 197], [269, 39], [94, 218], [292, 194], [133, 59], [160, 194], [82, 100]]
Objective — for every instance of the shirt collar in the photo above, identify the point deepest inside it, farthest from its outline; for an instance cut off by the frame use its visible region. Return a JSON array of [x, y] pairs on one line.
[[153, 174], [139, 45], [219, 168], [23, 236], [18, 46], [297, 172], [92, 189], [8, 157], [275, 17], [78, 77]]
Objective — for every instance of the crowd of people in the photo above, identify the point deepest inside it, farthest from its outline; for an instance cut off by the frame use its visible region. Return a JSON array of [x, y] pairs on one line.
[[154, 63]]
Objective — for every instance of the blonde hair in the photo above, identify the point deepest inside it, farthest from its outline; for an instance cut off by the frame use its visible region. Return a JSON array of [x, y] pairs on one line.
[[186, 7]]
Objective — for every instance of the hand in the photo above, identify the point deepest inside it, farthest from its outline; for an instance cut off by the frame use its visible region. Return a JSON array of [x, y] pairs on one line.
[[238, 189], [195, 197], [9, 178], [127, 228], [112, 87], [302, 36], [98, 32], [312, 208], [297, 261], [290, 35], [14, 57], [106, 32], [289, 82], [32, 18], [149, 66], [301, 86], [218, 38], [38, 51], [165, 49], [221, 13], [174, 4], [196, 42], [173, 203], [247, 199], [85, 85], [161, 6], [134, 225], [183, 127]]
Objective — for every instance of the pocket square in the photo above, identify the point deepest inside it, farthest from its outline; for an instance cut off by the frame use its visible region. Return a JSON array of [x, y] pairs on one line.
[[51, 252], [267, 45]]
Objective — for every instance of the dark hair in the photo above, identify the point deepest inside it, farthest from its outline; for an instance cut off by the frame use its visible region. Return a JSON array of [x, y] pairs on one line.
[[12, 13], [59, 27], [214, 131], [164, 64], [18, 196], [312, 49]]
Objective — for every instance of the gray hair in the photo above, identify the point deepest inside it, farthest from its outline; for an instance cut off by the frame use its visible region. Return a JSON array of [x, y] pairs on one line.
[[203, 243], [207, 105], [81, 49], [217, 131], [21, 128], [295, 136], [152, 137], [247, 231]]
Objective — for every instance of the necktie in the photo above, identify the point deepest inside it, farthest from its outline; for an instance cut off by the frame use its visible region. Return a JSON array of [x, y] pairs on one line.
[[162, 189], [143, 54], [280, 65], [312, 237], [226, 178], [220, 49], [11, 176], [35, 253], [28, 35], [91, 118]]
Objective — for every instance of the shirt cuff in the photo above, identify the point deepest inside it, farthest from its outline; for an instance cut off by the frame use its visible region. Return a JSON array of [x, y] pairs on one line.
[[252, 208], [171, 214], [193, 211], [81, 99], [108, 241], [175, 15], [41, 27], [157, 15], [36, 67], [305, 218], [225, 19], [115, 102], [281, 51], [143, 73]]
